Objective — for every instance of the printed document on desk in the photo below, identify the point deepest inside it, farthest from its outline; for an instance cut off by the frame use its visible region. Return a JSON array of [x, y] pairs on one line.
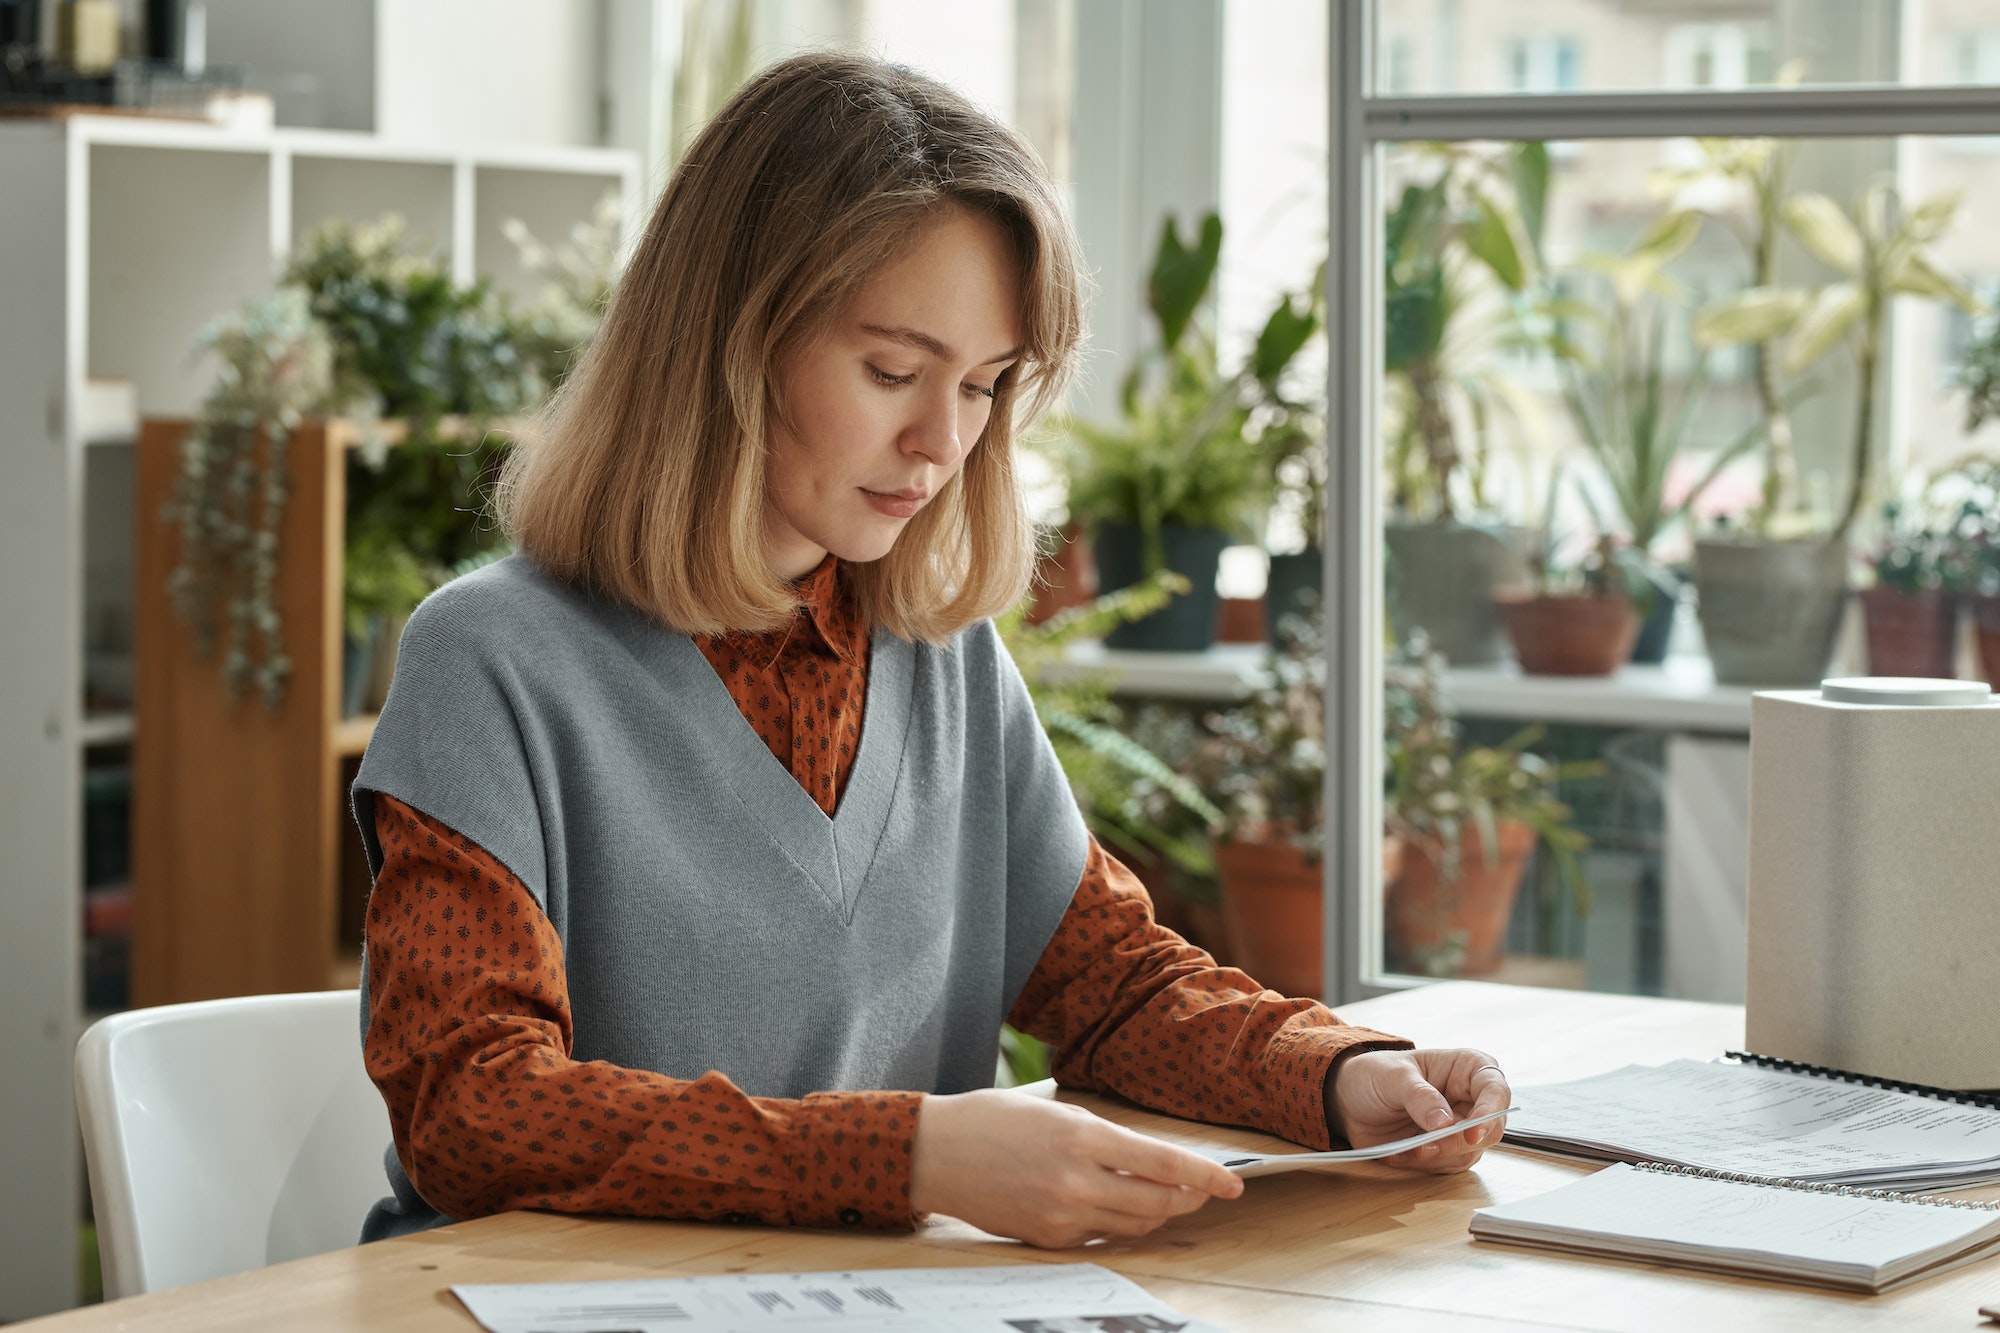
[[1016, 1298], [1730, 1116]]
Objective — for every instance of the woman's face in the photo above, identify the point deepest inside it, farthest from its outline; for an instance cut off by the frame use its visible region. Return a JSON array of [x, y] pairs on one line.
[[886, 405]]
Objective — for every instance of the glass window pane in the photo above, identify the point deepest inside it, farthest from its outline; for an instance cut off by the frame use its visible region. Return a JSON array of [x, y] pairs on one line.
[[1581, 437], [1541, 46]]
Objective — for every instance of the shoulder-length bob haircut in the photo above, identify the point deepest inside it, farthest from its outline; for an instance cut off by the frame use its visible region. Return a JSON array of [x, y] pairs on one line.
[[644, 478]]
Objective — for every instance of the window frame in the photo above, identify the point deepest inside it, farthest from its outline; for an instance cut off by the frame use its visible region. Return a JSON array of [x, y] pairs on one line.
[[1362, 121]]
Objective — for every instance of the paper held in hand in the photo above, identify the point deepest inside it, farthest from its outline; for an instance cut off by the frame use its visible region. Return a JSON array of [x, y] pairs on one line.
[[1248, 1164]]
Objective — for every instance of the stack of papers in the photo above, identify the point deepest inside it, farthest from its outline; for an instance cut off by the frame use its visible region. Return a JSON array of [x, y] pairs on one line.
[[1021, 1298], [1768, 1122], [1248, 1164]]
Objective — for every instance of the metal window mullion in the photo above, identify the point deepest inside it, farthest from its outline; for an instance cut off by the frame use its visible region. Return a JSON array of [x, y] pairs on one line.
[[1772, 113], [1352, 540]]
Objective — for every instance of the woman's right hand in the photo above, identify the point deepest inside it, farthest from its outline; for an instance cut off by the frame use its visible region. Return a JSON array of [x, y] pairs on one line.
[[1051, 1174]]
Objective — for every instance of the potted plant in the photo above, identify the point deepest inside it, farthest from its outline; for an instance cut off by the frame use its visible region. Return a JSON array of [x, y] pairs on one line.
[[1634, 419], [1468, 820], [1265, 761], [1183, 473], [1577, 621], [1771, 596], [1921, 571], [1979, 523], [1460, 252]]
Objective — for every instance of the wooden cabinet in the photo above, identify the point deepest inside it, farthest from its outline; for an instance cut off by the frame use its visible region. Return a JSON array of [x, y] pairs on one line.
[[240, 816]]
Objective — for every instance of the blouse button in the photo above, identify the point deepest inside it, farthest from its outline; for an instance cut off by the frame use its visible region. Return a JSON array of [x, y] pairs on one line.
[[850, 1217]]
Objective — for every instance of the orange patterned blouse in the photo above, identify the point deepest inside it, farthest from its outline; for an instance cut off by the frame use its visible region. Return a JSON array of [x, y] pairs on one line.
[[469, 1023]]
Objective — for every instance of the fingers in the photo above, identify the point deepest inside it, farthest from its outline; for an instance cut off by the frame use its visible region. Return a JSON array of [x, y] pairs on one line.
[[1165, 1165]]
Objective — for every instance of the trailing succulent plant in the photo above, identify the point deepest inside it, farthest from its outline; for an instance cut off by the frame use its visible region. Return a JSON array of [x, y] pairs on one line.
[[276, 368]]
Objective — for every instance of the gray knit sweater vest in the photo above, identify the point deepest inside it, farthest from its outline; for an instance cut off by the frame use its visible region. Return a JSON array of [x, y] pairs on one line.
[[712, 916]]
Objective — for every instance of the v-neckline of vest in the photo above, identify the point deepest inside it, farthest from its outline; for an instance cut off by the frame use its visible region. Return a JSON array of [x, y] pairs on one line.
[[834, 851]]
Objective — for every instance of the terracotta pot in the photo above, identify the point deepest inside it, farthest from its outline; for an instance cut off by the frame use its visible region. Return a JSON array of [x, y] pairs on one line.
[[1568, 635], [1425, 916], [1910, 634], [1271, 910], [1239, 620], [1986, 627], [1065, 577]]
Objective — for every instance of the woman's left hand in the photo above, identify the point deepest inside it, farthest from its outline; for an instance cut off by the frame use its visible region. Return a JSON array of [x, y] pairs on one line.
[[1380, 1096]]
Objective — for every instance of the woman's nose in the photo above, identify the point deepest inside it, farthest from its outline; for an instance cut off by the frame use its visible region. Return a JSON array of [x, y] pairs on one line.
[[934, 433]]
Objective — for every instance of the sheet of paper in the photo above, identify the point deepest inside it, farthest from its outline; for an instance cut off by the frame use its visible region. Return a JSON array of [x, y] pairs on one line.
[[1020, 1298], [1735, 1117], [1248, 1164]]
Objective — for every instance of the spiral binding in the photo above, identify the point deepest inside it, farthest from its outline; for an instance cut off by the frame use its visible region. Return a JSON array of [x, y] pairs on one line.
[[1988, 1100], [1816, 1187]]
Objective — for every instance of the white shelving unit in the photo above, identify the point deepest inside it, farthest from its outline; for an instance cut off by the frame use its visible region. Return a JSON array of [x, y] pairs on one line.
[[120, 238]]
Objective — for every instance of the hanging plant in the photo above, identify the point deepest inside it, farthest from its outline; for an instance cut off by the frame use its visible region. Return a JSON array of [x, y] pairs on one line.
[[275, 369]]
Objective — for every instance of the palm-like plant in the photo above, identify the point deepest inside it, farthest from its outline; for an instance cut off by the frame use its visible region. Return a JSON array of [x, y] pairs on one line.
[[1881, 250], [1472, 227]]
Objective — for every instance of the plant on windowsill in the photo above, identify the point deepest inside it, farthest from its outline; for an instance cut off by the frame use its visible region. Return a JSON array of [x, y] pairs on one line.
[[1770, 607], [1922, 568], [1580, 619], [1634, 408], [1461, 264], [1187, 468], [1467, 820]]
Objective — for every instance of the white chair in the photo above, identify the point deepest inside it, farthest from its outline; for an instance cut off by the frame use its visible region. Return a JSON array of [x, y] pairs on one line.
[[227, 1134]]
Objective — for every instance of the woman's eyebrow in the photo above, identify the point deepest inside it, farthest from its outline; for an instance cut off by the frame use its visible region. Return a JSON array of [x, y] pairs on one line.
[[925, 342]]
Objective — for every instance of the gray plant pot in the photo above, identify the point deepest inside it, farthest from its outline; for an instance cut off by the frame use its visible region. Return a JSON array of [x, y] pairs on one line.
[[1770, 610], [1187, 623], [1441, 579], [1295, 584]]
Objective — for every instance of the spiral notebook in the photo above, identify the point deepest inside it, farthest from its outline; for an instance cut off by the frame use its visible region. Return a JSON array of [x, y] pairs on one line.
[[1754, 1226], [1767, 1117]]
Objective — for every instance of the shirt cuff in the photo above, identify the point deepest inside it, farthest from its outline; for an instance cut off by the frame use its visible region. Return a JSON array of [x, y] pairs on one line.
[[1297, 1061], [851, 1155]]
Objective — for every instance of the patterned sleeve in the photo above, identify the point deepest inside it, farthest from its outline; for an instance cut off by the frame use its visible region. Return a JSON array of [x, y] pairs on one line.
[[469, 1042], [1134, 1009]]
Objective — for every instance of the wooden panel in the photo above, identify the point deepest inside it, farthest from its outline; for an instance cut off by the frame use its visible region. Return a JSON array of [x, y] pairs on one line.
[[235, 805]]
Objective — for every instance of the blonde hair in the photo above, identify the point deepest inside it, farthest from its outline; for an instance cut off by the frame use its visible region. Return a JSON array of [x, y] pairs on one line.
[[644, 478]]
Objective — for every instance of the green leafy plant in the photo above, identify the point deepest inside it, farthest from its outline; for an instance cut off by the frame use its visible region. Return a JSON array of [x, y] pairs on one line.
[[1940, 534], [1434, 787], [1879, 250], [1119, 784], [1617, 361], [1461, 259], [1265, 758], [1979, 376], [1196, 446]]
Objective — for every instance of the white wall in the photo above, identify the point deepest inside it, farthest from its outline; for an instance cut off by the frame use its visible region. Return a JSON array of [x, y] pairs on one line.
[[317, 59], [488, 71]]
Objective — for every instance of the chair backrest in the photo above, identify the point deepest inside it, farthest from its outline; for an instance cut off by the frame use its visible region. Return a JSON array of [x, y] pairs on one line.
[[227, 1134]]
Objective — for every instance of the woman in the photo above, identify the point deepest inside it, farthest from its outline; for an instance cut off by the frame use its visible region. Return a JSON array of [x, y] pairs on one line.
[[714, 833]]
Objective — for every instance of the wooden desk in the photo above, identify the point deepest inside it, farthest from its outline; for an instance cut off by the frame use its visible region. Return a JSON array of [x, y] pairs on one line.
[[1360, 1249]]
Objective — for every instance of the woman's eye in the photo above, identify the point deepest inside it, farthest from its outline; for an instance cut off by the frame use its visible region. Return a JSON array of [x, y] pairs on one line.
[[978, 391], [881, 376]]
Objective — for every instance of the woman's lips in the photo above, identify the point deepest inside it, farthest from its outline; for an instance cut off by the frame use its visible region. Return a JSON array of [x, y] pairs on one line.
[[894, 505]]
